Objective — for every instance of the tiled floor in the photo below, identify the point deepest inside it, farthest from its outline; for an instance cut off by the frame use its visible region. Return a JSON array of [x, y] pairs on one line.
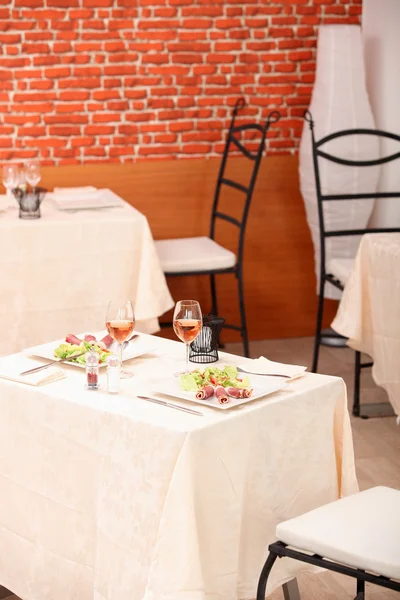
[[376, 443]]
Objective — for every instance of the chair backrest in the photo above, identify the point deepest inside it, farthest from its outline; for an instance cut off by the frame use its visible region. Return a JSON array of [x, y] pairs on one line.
[[318, 153], [233, 141]]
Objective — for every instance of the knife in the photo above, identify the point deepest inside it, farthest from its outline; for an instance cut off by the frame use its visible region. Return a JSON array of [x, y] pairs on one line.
[[50, 364], [171, 405]]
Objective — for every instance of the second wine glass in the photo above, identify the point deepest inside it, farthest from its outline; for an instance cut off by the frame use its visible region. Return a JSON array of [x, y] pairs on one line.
[[187, 323], [32, 173], [120, 323]]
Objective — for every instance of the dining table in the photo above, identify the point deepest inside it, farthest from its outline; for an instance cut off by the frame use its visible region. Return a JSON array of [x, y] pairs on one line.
[[111, 496], [368, 313], [59, 271]]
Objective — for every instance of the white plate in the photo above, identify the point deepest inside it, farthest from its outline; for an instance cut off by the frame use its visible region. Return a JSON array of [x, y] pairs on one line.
[[262, 386], [136, 348]]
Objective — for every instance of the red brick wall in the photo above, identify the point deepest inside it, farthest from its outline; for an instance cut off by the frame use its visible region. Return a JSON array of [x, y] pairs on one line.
[[122, 80]]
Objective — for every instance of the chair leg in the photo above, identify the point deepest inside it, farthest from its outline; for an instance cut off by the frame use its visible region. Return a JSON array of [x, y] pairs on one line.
[[262, 582], [318, 328], [243, 323], [214, 303], [357, 377], [360, 589]]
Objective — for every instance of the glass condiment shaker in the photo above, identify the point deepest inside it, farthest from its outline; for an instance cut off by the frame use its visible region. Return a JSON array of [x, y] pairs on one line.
[[92, 370], [113, 374]]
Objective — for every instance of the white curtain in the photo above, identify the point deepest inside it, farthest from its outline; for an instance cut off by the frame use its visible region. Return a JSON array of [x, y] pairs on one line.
[[339, 101]]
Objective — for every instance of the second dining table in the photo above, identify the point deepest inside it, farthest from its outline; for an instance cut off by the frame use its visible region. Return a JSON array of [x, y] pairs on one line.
[[368, 313], [58, 272], [109, 497]]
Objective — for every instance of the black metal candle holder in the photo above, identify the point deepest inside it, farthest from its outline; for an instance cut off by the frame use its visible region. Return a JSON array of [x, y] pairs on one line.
[[29, 202], [204, 349]]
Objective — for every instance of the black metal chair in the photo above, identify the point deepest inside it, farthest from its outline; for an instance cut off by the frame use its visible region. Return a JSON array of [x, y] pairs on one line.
[[358, 536], [327, 275], [203, 255]]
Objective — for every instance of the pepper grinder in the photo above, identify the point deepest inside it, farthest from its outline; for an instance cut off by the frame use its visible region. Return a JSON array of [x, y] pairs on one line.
[[92, 370]]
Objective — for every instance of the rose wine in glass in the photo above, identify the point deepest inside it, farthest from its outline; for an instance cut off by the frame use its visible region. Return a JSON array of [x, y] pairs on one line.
[[187, 323], [120, 323]]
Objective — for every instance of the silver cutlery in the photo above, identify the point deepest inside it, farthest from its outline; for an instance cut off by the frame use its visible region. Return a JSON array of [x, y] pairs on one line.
[[50, 364], [171, 405], [266, 374]]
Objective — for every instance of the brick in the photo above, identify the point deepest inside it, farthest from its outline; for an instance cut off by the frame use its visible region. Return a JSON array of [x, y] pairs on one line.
[[74, 96], [45, 61], [305, 31], [71, 107], [82, 141], [197, 23], [63, 3], [281, 32], [64, 131], [57, 73], [158, 24], [164, 149], [104, 94], [39, 107], [220, 58], [94, 82], [196, 148], [61, 47]]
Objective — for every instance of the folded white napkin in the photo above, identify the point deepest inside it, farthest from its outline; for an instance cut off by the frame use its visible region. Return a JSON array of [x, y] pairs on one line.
[[263, 366], [74, 191], [12, 366], [93, 198]]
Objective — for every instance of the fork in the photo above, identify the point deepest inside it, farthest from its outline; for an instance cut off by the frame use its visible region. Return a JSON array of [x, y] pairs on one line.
[[266, 374]]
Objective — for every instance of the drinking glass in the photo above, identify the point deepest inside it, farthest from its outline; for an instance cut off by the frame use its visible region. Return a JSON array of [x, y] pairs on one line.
[[32, 173], [120, 322], [187, 323], [10, 177]]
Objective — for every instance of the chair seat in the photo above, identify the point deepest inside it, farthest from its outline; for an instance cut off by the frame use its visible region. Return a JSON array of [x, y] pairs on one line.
[[361, 531], [193, 254], [340, 268]]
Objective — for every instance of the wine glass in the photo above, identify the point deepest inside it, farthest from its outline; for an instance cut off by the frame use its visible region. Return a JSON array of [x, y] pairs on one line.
[[187, 323], [10, 177], [120, 322], [32, 173]]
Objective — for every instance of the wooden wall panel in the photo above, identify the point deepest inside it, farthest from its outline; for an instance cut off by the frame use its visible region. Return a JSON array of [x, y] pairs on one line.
[[176, 197]]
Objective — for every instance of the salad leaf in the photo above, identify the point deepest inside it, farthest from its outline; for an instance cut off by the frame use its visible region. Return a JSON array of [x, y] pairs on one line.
[[227, 377], [189, 383], [66, 350]]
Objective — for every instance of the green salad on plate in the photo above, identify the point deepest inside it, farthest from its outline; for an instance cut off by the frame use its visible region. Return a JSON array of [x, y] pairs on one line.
[[227, 377]]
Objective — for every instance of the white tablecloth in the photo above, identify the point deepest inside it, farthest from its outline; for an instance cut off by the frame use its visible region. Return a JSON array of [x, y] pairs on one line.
[[369, 312], [59, 272], [112, 498]]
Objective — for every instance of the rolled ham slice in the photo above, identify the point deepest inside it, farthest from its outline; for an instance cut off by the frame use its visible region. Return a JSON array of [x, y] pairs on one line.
[[72, 339], [90, 338], [205, 393], [107, 340], [221, 394], [247, 392], [234, 392]]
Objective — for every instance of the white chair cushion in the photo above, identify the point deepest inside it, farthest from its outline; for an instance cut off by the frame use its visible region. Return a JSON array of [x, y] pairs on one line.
[[340, 268], [361, 531], [193, 254]]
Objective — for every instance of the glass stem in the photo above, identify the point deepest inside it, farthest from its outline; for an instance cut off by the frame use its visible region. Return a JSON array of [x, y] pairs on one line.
[[120, 353], [187, 357]]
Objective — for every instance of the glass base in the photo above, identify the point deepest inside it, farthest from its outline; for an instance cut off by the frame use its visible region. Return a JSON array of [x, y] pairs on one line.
[[126, 374]]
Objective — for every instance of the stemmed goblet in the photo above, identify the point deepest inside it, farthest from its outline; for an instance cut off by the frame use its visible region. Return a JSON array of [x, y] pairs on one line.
[[10, 177], [32, 173], [187, 323], [120, 322]]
